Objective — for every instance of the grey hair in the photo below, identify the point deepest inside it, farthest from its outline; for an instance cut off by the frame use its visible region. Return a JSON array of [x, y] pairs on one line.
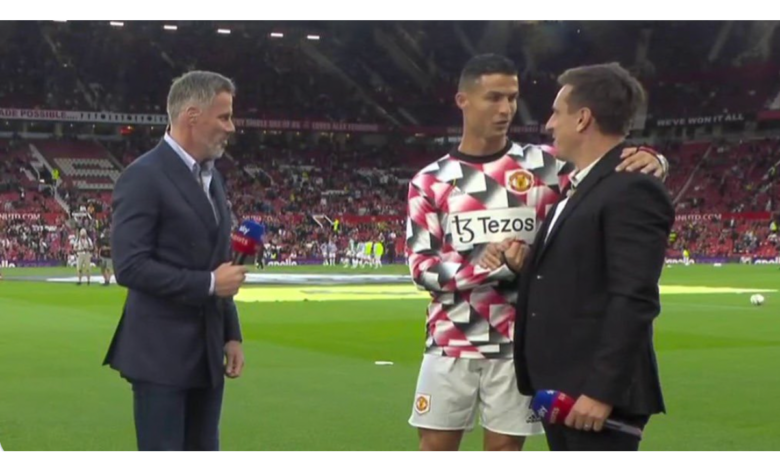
[[197, 87]]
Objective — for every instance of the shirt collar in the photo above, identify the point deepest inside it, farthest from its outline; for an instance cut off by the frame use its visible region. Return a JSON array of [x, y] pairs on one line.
[[578, 177], [186, 157]]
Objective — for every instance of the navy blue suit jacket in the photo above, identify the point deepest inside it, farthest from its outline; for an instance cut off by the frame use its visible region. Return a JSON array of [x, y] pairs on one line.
[[166, 242]]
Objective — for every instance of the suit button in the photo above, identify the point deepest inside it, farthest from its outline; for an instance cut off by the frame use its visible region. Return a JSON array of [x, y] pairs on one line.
[[538, 277], [533, 315]]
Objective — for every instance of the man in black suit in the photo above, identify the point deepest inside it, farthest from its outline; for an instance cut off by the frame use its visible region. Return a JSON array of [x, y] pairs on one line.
[[589, 286], [179, 331]]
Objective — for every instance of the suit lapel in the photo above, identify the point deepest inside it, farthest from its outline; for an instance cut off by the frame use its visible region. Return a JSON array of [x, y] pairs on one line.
[[186, 183], [540, 235], [602, 169]]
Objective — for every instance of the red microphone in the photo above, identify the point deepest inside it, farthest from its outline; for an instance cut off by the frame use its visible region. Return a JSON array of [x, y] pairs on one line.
[[553, 407], [244, 241]]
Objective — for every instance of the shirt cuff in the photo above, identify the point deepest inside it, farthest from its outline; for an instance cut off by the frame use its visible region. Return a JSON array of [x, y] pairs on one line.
[[211, 286]]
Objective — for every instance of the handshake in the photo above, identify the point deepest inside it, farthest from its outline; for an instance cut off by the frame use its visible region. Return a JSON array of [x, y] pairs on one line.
[[511, 252]]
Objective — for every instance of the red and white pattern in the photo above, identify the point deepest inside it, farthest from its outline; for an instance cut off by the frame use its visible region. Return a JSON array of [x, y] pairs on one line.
[[472, 312]]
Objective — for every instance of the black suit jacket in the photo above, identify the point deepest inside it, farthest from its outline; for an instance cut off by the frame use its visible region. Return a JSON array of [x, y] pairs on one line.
[[589, 294], [166, 242]]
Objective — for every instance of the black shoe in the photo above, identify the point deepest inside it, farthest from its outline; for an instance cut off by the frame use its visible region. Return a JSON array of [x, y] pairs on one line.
[[78, 283]]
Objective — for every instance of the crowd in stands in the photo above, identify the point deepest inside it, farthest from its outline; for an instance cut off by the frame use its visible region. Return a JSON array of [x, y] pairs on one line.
[[25, 239], [291, 180], [347, 76], [734, 180], [298, 187], [724, 238]]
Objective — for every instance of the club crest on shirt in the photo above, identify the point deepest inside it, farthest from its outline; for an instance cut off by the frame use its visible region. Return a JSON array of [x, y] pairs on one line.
[[519, 181]]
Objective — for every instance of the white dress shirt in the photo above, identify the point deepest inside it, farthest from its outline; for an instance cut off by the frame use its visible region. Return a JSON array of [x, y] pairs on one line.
[[203, 174], [576, 179]]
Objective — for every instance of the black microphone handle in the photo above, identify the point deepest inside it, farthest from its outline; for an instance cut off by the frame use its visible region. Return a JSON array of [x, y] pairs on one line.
[[624, 428], [239, 258]]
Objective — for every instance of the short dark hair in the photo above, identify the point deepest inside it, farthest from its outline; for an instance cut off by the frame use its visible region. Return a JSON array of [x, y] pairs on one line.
[[196, 86], [609, 91], [485, 64]]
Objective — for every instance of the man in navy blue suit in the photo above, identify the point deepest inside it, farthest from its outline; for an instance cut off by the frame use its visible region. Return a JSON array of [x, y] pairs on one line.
[[179, 331]]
